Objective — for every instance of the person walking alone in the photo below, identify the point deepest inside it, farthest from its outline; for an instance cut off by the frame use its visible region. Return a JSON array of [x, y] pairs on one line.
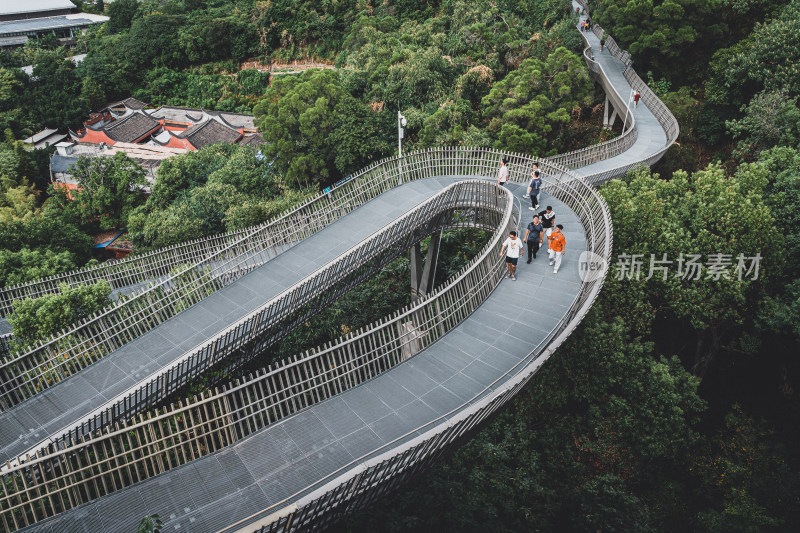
[[502, 174], [558, 247], [534, 236], [636, 96], [533, 188], [515, 249]]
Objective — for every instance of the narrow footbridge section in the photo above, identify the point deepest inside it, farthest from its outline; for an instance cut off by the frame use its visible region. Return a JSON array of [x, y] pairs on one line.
[[90, 444]]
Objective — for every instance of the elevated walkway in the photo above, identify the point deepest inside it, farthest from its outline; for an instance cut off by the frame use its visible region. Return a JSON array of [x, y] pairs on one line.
[[280, 461], [30, 424], [325, 458]]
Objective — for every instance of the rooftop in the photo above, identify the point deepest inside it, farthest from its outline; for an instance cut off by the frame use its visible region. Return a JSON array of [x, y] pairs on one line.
[[177, 114], [50, 23], [131, 128], [62, 163], [36, 137], [45, 138], [208, 133], [255, 140], [237, 120], [14, 7], [130, 103]]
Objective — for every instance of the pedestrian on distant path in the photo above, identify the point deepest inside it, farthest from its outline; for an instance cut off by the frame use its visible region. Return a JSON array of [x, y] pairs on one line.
[[534, 187], [558, 247], [515, 248], [548, 218], [636, 96], [502, 174], [534, 236]]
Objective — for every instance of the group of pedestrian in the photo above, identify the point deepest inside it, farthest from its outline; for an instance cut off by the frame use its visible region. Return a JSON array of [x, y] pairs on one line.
[[586, 25], [543, 225]]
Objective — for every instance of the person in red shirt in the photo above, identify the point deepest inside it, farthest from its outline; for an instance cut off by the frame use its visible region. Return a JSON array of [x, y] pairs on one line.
[[636, 96]]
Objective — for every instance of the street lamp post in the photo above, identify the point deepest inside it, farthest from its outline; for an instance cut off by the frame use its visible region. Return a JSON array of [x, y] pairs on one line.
[[401, 123]]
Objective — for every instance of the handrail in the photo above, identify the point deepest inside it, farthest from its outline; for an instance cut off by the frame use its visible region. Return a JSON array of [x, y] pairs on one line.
[[50, 361], [322, 498], [349, 489], [472, 284]]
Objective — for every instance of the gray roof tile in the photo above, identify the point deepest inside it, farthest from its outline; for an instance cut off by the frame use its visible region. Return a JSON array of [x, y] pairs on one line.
[[131, 128]]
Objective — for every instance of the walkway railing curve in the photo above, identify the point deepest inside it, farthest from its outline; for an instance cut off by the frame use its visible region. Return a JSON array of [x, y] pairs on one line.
[[367, 478], [356, 484], [80, 467]]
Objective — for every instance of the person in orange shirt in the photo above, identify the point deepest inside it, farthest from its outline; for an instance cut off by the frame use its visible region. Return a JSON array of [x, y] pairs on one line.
[[557, 248]]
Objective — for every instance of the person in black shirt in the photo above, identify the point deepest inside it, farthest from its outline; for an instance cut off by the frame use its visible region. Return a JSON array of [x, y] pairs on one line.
[[548, 218], [534, 235]]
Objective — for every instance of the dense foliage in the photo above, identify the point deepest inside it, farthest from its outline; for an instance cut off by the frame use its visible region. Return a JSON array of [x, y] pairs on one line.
[[219, 188], [39, 318], [617, 432], [674, 406]]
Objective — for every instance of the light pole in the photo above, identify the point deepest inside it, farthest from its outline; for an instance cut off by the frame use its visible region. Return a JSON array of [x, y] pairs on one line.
[[401, 122]]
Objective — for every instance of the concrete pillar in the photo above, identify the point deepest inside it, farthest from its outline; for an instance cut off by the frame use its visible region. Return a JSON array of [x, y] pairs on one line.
[[605, 113], [422, 275], [612, 119]]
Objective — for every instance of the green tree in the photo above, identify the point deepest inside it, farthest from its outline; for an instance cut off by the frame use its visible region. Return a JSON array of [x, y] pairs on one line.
[[10, 89], [27, 265], [152, 40], [19, 202], [743, 476], [121, 14], [772, 118], [92, 92], [54, 99], [303, 117], [706, 213], [659, 32], [778, 320], [527, 107], [248, 174], [39, 318], [185, 172], [109, 189]]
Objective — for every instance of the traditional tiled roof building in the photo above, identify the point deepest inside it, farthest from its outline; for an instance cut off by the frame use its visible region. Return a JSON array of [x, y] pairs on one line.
[[167, 126]]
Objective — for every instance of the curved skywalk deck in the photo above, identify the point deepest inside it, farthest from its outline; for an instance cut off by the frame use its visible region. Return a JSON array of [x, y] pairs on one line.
[[276, 466], [651, 137], [266, 468], [32, 422]]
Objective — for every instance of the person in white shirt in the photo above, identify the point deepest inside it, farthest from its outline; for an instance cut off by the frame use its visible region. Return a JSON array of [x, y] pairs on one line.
[[502, 174], [515, 248]]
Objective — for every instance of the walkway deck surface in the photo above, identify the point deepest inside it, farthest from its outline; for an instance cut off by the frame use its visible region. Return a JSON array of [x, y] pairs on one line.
[[284, 458], [47, 413], [279, 461], [650, 135]]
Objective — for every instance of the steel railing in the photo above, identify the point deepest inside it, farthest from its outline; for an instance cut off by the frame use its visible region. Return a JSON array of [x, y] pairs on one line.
[[366, 478], [44, 485]]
